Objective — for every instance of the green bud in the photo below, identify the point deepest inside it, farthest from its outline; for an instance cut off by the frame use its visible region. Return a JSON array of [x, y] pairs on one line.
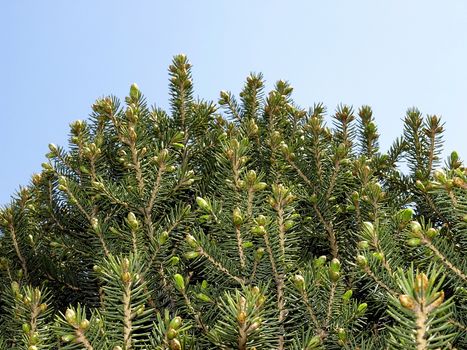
[[261, 220], [362, 308], [171, 333], [431, 232], [179, 282], [415, 227], [132, 221], [288, 224], [419, 185], [378, 256], [335, 265], [406, 214], [299, 282], [164, 236], [361, 261], [440, 176], [251, 176], [191, 255], [203, 204], [26, 328], [258, 230], [191, 241], [259, 254], [414, 242], [247, 244], [134, 91], [313, 343], [347, 295], [313, 199], [320, 261], [67, 338], [174, 260], [260, 186], [334, 275], [176, 323], [70, 316], [363, 245], [341, 334], [237, 217], [84, 324], [203, 297], [204, 285], [369, 228]]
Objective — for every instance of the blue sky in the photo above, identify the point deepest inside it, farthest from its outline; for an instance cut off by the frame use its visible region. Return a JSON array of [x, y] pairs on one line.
[[57, 57]]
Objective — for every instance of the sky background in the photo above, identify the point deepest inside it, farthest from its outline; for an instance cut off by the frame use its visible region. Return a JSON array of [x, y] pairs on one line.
[[57, 57]]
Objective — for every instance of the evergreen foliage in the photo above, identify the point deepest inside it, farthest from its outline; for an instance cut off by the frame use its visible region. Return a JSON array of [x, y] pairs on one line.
[[247, 224]]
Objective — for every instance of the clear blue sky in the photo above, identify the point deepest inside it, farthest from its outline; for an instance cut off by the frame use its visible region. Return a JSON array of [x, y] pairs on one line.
[[57, 57]]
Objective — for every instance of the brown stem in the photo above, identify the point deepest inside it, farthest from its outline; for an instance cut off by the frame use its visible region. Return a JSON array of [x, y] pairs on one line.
[[17, 250], [220, 267]]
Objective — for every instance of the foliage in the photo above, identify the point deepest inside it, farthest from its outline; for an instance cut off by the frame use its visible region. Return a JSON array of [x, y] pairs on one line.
[[247, 224]]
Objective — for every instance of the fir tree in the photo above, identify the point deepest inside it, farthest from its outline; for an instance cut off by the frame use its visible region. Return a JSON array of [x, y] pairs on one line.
[[246, 224]]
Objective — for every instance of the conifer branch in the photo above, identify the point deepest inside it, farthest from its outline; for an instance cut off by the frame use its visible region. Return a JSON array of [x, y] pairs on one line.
[[444, 260], [20, 256], [220, 267]]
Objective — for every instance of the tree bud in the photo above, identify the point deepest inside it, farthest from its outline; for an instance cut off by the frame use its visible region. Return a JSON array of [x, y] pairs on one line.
[[191, 241], [369, 228], [241, 317], [440, 176], [164, 236], [176, 323], [419, 185], [421, 283], [26, 328], [126, 277], [174, 344], [251, 176], [172, 333], [237, 217], [335, 265], [313, 343], [67, 338], [132, 221], [203, 297], [439, 299], [361, 261], [174, 260], [288, 224], [179, 282], [259, 253], [363, 245], [299, 282], [362, 308], [261, 220], [347, 295], [260, 186], [84, 324], [134, 91], [378, 256], [406, 214], [191, 255], [70, 316], [319, 261], [416, 228], [414, 242], [203, 204], [431, 232], [407, 301], [334, 275]]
